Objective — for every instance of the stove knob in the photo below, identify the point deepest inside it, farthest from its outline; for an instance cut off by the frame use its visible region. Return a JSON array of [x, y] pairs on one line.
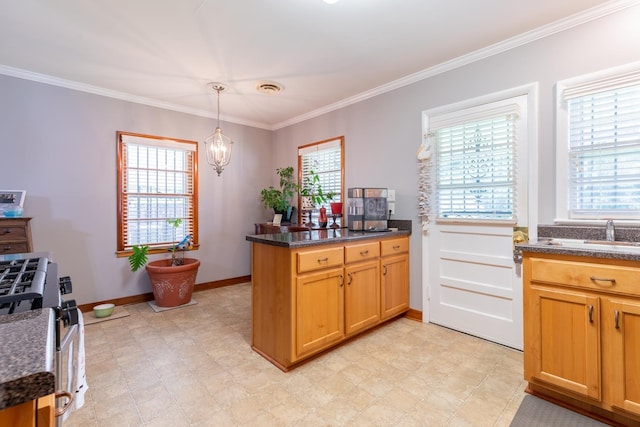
[[65, 285], [69, 313]]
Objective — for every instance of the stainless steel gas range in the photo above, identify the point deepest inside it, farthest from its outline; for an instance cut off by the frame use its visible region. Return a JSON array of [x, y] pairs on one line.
[[30, 281]]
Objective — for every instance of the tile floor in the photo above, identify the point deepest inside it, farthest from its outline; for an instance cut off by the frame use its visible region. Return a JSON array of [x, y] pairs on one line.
[[194, 367]]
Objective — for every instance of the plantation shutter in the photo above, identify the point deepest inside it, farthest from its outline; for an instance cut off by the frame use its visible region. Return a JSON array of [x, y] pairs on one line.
[[475, 162], [604, 147], [325, 159], [157, 183]]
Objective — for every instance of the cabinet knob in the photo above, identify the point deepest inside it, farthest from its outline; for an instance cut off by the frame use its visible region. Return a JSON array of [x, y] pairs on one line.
[[616, 317], [6, 231]]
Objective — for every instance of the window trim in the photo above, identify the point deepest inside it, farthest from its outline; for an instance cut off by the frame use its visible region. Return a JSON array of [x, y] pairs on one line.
[[122, 249], [340, 140], [526, 97], [562, 141]]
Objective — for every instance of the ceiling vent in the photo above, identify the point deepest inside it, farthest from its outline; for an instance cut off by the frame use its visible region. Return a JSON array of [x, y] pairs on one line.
[[270, 88]]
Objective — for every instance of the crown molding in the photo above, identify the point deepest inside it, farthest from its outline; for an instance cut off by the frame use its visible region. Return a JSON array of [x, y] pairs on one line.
[[123, 96], [495, 49]]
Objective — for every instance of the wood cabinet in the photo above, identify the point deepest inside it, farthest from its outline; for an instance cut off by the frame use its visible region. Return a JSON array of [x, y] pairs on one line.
[[307, 300], [395, 277], [362, 289], [34, 413], [15, 235], [319, 310], [582, 332]]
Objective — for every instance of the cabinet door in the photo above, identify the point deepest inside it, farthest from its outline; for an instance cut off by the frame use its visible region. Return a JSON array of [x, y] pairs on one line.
[[362, 296], [319, 310], [394, 295], [564, 346], [622, 329], [22, 415]]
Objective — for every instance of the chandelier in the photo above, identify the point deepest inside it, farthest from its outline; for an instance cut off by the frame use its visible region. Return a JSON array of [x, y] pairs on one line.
[[218, 145]]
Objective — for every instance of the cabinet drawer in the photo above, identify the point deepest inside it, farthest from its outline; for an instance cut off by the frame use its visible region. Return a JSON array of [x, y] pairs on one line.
[[362, 252], [319, 259], [13, 248], [586, 275], [11, 234], [394, 246]]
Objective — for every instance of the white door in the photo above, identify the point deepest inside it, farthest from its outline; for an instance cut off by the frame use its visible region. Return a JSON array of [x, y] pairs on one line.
[[470, 280]]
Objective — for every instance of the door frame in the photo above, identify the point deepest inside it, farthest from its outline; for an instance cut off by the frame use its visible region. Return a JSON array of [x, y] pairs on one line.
[[531, 92]]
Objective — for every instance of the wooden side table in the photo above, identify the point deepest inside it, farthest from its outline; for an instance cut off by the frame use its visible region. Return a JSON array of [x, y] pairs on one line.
[[266, 228], [15, 235]]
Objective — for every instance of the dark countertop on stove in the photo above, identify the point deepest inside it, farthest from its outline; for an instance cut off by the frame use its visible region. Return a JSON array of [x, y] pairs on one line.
[[27, 355], [300, 239]]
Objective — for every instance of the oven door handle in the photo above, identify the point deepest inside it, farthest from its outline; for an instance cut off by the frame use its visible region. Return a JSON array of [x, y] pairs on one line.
[[63, 393]]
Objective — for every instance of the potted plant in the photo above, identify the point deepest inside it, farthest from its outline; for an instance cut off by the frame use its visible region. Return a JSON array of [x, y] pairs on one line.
[[312, 191], [172, 280], [280, 199]]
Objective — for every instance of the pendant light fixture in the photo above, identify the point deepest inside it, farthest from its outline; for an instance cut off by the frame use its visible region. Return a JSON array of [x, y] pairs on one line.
[[218, 145]]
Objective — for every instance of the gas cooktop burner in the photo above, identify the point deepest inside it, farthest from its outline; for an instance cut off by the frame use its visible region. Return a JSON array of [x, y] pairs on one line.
[[22, 280]]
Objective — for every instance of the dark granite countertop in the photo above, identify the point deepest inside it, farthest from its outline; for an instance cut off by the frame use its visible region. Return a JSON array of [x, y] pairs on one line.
[[300, 239], [27, 352], [579, 248]]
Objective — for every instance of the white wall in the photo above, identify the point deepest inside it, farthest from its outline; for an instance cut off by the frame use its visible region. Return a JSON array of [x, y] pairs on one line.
[[383, 133], [60, 146]]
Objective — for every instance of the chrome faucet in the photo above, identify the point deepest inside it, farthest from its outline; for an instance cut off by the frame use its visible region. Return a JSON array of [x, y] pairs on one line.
[[610, 231]]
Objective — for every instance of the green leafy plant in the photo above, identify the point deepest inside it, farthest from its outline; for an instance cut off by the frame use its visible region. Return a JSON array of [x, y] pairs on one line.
[[280, 199], [138, 257], [312, 188]]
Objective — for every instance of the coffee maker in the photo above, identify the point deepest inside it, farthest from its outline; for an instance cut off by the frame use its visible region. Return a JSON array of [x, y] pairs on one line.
[[367, 209]]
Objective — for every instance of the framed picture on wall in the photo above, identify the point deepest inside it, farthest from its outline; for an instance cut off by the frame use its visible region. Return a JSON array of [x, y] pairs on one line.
[[10, 200]]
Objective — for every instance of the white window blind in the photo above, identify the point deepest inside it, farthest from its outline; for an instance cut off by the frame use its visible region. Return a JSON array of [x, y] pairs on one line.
[[475, 162], [157, 183], [604, 147], [324, 159]]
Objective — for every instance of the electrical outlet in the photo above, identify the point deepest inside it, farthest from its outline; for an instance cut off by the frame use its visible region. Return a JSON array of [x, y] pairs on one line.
[[391, 207], [391, 195]]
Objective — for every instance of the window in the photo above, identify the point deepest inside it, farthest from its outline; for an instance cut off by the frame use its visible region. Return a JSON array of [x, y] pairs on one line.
[[157, 181], [324, 158], [599, 143], [475, 176]]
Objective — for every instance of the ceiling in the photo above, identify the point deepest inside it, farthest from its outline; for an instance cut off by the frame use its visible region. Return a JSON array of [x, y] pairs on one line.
[[164, 52]]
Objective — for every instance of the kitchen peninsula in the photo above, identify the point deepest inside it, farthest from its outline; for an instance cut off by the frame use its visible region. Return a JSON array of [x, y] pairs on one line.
[[312, 290]]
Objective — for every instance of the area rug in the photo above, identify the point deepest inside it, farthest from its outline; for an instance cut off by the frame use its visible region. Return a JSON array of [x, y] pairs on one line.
[[536, 412], [157, 309], [118, 312]]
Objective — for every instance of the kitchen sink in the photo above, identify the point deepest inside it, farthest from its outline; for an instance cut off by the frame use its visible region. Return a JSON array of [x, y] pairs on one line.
[[597, 245]]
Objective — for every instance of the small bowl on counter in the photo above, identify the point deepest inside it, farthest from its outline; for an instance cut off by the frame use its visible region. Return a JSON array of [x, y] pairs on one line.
[[103, 310]]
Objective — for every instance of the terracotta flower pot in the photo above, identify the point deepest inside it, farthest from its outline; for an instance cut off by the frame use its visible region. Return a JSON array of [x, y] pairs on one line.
[[172, 285]]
